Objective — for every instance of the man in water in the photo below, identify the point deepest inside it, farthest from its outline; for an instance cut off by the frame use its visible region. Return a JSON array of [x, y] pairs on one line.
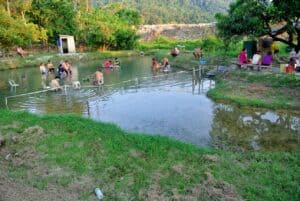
[[50, 67], [54, 84], [175, 52], [198, 53], [99, 79]]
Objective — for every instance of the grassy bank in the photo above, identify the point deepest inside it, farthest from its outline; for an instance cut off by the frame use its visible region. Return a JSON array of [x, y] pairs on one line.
[[65, 157], [258, 89]]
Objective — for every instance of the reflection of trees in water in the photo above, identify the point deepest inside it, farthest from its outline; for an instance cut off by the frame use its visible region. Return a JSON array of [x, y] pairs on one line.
[[237, 128]]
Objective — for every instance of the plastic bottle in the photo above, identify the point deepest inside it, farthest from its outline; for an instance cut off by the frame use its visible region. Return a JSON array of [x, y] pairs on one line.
[[99, 193]]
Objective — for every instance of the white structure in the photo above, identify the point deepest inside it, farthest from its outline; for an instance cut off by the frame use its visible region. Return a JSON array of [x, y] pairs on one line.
[[12, 83], [66, 44], [76, 85]]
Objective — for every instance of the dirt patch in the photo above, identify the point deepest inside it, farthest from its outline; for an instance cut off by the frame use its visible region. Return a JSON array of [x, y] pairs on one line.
[[178, 169], [211, 158], [292, 92], [34, 130], [136, 154], [209, 189], [14, 125], [216, 190], [13, 190], [257, 88]]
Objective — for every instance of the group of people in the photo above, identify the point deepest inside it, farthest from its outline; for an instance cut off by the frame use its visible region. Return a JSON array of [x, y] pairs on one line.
[[164, 65], [63, 70], [111, 63], [267, 59], [257, 59]]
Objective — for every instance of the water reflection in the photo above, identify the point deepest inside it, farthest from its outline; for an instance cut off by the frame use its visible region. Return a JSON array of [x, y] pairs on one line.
[[256, 129]]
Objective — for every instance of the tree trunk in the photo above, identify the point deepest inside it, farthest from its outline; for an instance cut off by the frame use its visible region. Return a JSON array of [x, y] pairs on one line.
[[7, 7], [87, 5], [23, 16], [297, 48]]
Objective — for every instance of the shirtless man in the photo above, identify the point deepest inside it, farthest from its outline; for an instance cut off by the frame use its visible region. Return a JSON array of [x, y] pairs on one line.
[[155, 64], [99, 79], [20, 52], [198, 53], [50, 66], [175, 52], [54, 84]]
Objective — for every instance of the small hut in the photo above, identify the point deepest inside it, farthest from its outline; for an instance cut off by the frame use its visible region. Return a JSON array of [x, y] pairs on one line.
[[66, 44]]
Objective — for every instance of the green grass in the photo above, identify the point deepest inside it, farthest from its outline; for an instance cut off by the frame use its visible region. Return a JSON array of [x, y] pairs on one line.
[[212, 46], [132, 165], [280, 91]]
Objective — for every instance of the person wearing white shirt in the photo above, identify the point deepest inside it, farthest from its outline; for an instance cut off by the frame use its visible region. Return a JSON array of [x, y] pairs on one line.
[[256, 59]]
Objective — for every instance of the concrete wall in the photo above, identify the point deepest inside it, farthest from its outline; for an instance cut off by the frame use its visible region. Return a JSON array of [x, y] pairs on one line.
[[176, 31]]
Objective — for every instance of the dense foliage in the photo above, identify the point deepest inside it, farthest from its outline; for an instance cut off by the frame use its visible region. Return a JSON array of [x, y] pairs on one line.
[[105, 24], [278, 19], [57, 17], [23, 23], [15, 30], [174, 11], [111, 27]]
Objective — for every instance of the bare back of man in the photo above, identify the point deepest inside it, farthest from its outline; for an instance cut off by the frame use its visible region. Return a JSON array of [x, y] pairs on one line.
[[99, 79]]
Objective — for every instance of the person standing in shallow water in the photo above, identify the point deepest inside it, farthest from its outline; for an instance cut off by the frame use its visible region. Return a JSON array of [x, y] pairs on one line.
[[175, 52], [50, 67], [198, 54], [155, 64], [54, 84], [98, 79], [43, 69]]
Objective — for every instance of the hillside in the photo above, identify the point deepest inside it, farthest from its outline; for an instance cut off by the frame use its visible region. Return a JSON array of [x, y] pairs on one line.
[[174, 11]]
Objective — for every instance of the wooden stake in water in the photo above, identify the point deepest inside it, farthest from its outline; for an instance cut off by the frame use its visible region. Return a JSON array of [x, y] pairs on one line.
[[200, 71], [88, 108], [194, 73]]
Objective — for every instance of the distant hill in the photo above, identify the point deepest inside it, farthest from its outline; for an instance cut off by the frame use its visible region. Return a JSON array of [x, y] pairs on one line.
[[173, 11]]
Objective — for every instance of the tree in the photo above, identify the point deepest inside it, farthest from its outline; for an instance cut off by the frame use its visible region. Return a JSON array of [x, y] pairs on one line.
[[132, 17], [111, 27], [16, 8], [17, 32], [57, 17], [278, 19], [83, 5]]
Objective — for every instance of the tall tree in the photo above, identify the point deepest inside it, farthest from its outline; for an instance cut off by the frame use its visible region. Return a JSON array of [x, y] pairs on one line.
[[262, 17], [111, 27], [14, 31], [57, 17], [83, 5], [16, 8]]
